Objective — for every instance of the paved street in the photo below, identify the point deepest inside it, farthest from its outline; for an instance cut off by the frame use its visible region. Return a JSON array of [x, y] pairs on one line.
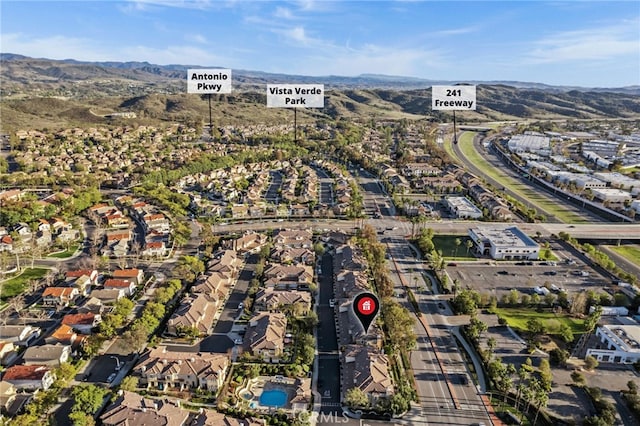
[[328, 362]]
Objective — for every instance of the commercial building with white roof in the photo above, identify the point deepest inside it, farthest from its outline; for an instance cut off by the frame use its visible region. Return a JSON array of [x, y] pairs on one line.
[[529, 142], [504, 242], [621, 344], [611, 194], [463, 208]]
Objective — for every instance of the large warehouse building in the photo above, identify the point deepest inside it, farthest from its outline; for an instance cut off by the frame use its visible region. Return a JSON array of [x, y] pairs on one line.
[[504, 242]]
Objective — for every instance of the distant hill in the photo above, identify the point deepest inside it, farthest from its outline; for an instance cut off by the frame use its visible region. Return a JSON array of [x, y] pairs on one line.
[[85, 91]]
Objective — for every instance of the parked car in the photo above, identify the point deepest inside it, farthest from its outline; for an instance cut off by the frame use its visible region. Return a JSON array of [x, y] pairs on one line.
[[111, 377]]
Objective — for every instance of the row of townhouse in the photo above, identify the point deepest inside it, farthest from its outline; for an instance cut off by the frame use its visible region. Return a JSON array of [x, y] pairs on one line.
[[197, 311], [130, 408], [284, 292], [497, 208], [363, 364]]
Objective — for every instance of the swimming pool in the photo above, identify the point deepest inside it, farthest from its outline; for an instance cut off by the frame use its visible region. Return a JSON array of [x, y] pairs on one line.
[[273, 398]]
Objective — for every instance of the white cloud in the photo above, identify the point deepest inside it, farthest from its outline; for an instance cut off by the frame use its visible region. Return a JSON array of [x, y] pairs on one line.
[[60, 47], [374, 59], [298, 37], [284, 13], [196, 38], [602, 43]]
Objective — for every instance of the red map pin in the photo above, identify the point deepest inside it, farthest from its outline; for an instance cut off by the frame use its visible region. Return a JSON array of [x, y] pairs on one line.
[[366, 307]]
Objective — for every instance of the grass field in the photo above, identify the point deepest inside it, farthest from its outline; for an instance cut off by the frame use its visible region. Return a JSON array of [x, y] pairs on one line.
[[65, 254], [631, 253], [548, 205], [447, 243], [17, 285], [517, 319]]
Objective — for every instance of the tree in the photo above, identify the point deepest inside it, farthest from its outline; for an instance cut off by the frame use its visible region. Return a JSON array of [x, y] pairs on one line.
[[468, 244], [578, 378], [558, 356], [88, 399], [535, 327], [356, 398], [129, 383], [78, 418], [399, 324], [546, 377], [541, 397], [566, 333], [592, 320], [458, 242], [514, 296], [633, 387], [590, 362]]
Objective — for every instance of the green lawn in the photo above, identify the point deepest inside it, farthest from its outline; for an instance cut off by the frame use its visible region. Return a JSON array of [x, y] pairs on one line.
[[631, 253], [517, 319], [65, 254], [447, 243], [17, 285], [536, 199]]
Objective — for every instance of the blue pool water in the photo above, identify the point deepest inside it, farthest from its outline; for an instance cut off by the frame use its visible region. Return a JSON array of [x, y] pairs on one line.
[[273, 398]]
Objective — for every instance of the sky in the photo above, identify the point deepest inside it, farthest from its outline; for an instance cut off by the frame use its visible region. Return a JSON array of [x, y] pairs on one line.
[[575, 43]]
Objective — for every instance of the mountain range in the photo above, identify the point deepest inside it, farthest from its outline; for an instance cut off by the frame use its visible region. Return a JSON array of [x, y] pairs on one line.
[[64, 92]]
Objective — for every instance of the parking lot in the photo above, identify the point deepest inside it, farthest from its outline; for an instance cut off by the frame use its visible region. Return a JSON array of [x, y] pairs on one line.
[[500, 277]]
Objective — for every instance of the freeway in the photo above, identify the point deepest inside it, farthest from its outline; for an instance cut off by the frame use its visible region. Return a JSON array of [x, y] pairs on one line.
[[516, 181]]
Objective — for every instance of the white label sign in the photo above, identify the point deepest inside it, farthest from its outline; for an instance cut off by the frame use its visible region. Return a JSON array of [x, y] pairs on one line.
[[295, 95], [214, 80], [450, 98]]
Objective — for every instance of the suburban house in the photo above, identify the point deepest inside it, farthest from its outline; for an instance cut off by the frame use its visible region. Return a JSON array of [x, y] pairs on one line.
[[135, 275], [92, 274], [296, 302], [82, 323], [249, 242], [290, 255], [195, 312], [265, 335], [127, 286], [207, 417], [226, 262], [20, 335], [7, 395], [154, 249], [302, 397], [164, 370], [367, 369], [8, 353], [129, 408], [215, 284], [51, 355], [110, 295], [59, 296], [288, 277], [293, 238], [65, 335], [29, 377]]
